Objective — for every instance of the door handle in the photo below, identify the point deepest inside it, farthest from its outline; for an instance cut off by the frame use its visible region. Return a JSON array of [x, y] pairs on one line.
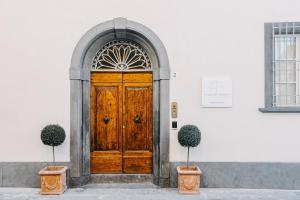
[[106, 119], [137, 119]]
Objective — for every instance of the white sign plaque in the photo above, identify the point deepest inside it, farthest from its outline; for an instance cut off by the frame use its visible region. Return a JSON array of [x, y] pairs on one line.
[[217, 92]]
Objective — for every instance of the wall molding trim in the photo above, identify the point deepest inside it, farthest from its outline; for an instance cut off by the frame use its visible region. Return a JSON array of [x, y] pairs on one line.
[[251, 175], [24, 174]]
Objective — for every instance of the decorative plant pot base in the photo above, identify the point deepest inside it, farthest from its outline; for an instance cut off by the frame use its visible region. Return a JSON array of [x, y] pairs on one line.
[[189, 179], [53, 180]]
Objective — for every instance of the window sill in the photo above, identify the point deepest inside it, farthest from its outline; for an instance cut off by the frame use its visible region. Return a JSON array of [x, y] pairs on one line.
[[280, 110]]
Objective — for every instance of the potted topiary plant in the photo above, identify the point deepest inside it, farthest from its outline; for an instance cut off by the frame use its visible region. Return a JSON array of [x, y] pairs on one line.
[[53, 178], [189, 176]]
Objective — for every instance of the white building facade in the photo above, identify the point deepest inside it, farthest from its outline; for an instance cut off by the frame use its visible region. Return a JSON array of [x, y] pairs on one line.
[[47, 50]]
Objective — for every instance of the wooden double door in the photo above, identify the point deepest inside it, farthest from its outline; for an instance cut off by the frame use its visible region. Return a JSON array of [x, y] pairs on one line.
[[121, 122]]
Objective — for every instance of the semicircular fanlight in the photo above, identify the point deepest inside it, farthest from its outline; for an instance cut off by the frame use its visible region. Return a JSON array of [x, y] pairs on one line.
[[121, 55]]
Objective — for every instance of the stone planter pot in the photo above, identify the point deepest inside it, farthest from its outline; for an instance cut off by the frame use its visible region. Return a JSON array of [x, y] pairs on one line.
[[188, 179], [53, 180]]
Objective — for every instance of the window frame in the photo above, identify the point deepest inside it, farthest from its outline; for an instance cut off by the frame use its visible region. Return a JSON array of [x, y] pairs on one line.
[[268, 49]]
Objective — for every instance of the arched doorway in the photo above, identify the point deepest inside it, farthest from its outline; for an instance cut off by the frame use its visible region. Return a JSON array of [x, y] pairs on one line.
[[118, 30], [121, 109]]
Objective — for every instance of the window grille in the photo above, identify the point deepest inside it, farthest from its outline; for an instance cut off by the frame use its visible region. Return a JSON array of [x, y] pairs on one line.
[[286, 58], [121, 55]]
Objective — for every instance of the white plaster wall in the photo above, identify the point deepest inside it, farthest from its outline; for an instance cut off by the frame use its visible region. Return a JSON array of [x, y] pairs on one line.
[[203, 39]]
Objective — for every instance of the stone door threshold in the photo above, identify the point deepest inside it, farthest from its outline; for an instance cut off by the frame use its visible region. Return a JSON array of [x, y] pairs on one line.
[[120, 178]]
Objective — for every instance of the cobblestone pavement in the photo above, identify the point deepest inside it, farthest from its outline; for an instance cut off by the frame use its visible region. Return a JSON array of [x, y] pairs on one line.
[[145, 192]]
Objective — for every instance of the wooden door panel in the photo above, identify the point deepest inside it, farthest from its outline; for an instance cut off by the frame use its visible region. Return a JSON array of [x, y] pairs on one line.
[[107, 121], [137, 134], [137, 77], [106, 162], [121, 123], [137, 162], [106, 77], [106, 127], [136, 118]]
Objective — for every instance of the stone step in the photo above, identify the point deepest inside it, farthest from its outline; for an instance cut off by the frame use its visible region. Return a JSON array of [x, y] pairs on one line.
[[120, 178], [120, 186]]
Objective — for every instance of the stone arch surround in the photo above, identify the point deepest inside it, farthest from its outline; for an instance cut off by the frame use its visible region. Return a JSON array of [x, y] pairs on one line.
[[80, 70]]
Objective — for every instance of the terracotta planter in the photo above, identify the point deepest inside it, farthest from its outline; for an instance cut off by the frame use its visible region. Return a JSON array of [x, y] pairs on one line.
[[189, 179], [53, 180]]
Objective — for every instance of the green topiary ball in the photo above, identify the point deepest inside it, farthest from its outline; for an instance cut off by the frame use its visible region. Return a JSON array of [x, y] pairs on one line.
[[53, 135], [189, 136]]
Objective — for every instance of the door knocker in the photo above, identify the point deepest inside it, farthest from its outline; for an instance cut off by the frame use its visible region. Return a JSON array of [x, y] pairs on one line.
[[137, 119], [106, 119]]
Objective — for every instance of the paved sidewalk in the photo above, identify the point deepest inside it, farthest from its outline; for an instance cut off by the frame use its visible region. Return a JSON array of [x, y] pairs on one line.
[[145, 192]]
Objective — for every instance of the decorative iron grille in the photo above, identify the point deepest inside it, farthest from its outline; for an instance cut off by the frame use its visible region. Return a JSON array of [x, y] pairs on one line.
[[121, 55], [286, 64]]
